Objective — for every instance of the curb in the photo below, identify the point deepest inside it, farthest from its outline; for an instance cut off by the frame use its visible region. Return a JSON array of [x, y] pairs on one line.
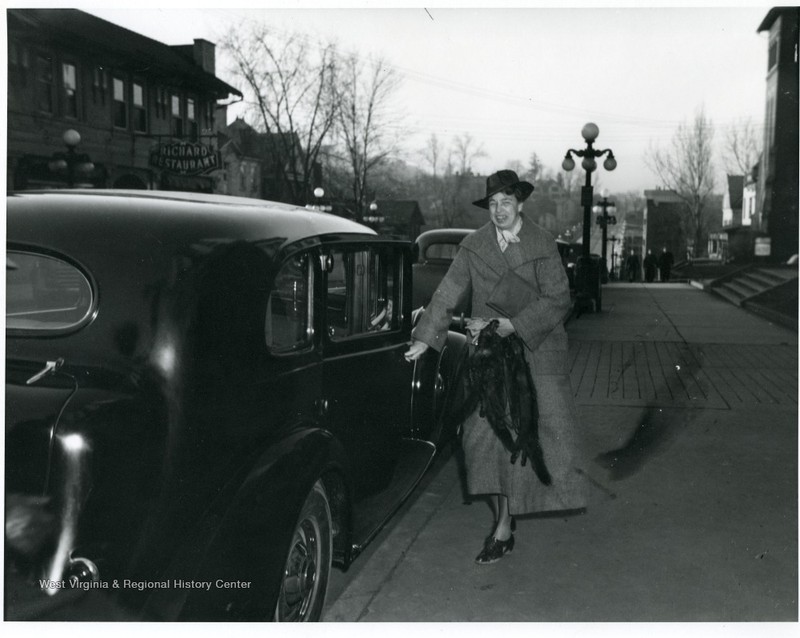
[[770, 315]]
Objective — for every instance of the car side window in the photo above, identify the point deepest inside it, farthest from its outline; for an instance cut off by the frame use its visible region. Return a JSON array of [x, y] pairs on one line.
[[289, 322], [361, 292], [44, 293]]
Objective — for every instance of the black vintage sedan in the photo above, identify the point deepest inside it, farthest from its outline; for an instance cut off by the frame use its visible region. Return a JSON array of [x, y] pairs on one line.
[[207, 403]]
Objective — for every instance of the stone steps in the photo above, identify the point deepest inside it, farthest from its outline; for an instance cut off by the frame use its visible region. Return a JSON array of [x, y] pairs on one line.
[[751, 283]]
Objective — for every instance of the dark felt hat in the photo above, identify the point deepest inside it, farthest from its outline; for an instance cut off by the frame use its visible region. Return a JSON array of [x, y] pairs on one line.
[[501, 180]]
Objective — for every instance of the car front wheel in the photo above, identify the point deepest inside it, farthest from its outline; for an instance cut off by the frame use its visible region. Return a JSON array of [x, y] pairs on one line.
[[308, 564]]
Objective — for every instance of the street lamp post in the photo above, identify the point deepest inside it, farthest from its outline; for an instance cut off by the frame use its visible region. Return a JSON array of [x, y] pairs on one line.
[[614, 240], [71, 162], [373, 216], [588, 288], [319, 193], [605, 211]]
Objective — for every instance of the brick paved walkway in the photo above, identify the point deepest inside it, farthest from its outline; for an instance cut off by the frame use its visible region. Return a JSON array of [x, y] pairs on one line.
[[668, 373], [662, 345]]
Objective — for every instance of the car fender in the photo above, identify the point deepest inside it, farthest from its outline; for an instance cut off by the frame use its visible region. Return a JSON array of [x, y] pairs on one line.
[[242, 542]]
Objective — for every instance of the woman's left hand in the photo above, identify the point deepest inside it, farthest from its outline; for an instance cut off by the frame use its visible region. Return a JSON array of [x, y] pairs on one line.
[[505, 327]]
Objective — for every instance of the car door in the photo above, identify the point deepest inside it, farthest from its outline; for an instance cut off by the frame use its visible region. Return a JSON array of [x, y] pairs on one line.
[[47, 298], [367, 383]]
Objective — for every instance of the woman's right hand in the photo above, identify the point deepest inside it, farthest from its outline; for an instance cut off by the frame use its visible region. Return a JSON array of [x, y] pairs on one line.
[[417, 349]]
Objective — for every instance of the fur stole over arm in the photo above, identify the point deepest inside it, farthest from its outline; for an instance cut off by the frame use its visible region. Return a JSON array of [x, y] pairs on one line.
[[496, 379]]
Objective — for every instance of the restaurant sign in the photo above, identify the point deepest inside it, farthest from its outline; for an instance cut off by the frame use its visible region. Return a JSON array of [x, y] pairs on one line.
[[184, 158]]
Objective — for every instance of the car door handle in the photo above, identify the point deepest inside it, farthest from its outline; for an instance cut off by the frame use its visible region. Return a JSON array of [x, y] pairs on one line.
[[322, 407], [50, 366]]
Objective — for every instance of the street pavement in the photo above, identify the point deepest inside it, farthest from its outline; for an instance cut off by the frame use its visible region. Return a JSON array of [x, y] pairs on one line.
[[689, 413]]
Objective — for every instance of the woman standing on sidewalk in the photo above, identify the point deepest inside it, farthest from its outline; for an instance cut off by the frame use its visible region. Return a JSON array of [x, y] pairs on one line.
[[512, 242]]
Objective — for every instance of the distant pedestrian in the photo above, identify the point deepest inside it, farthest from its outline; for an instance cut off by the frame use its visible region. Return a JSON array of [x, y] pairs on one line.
[[513, 254], [665, 262], [632, 266], [650, 264]]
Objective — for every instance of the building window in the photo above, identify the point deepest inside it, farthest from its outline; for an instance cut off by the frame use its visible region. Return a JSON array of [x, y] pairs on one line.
[[772, 55], [139, 109], [120, 104], [18, 63], [162, 103], [191, 119], [209, 116], [44, 82], [99, 85], [69, 80], [177, 117]]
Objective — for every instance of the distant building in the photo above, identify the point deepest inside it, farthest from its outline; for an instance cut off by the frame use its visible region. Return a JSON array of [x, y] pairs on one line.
[[750, 216], [634, 226], [397, 218], [241, 170], [665, 222], [741, 226], [662, 224], [253, 165], [778, 171], [732, 201], [144, 110], [551, 206]]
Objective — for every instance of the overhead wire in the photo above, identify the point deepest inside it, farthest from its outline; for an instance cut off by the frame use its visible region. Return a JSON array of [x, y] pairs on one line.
[[637, 128]]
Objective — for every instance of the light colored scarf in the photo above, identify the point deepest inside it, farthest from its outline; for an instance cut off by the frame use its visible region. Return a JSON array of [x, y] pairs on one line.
[[506, 237]]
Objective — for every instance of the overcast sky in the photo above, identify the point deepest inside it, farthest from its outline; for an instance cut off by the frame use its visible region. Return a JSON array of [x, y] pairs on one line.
[[526, 79]]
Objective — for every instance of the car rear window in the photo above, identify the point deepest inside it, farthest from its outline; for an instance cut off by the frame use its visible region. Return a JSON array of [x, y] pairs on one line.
[[444, 252], [44, 293]]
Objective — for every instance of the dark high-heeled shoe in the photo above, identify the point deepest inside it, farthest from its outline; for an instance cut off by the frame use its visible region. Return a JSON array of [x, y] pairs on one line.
[[493, 550]]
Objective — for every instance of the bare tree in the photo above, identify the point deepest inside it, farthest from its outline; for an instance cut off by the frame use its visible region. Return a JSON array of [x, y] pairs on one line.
[[432, 153], [290, 87], [686, 167], [449, 185], [740, 149], [365, 122], [465, 151], [437, 185]]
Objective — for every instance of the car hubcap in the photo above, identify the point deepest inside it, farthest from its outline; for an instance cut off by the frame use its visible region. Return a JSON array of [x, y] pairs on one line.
[[300, 576]]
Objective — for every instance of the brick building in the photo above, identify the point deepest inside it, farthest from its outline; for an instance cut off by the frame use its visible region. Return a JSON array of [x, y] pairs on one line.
[[662, 225], [144, 110], [778, 169]]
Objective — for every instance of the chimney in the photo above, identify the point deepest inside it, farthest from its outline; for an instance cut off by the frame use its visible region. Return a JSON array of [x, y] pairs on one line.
[[220, 117], [204, 55]]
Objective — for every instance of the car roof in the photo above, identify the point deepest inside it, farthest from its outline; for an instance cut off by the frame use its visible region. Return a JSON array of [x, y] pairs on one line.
[[65, 216], [447, 235]]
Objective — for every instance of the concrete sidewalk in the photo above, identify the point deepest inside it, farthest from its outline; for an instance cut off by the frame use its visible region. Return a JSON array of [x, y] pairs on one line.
[[689, 410]]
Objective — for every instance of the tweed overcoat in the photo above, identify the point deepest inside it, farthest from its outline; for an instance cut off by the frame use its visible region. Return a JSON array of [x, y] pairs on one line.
[[476, 269]]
